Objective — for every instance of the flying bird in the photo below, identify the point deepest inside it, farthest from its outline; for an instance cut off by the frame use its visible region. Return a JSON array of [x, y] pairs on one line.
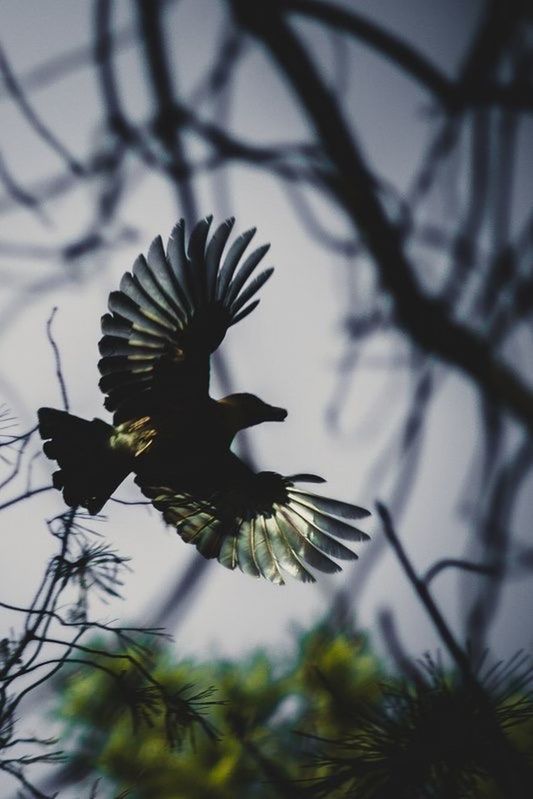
[[171, 313]]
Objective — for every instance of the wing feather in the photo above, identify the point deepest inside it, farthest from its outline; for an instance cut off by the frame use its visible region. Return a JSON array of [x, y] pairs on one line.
[[245, 312], [263, 553], [109, 383], [129, 364], [228, 551], [146, 298], [245, 549], [177, 258], [245, 272], [231, 261], [147, 278], [257, 283], [259, 523], [209, 540], [179, 305], [196, 260], [285, 554], [319, 538], [115, 326], [304, 478], [326, 522], [160, 266], [213, 255], [112, 345], [328, 505], [301, 545], [144, 318]]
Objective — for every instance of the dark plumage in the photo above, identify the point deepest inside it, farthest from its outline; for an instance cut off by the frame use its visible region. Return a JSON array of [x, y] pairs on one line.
[[171, 312]]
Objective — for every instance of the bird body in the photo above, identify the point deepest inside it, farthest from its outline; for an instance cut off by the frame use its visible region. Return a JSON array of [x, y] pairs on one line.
[[171, 312], [186, 444]]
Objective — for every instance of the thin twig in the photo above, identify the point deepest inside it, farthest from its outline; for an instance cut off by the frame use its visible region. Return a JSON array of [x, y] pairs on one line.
[[24, 496], [34, 120], [462, 565], [57, 357], [512, 773], [457, 654], [423, 317]]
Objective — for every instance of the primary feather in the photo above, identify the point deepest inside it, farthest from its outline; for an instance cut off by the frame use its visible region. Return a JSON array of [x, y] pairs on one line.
[[171, 313], [258, 526]]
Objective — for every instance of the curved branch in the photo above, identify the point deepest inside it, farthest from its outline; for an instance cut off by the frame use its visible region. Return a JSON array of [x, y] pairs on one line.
[[457, 563], [389, 45], [24, 496], [453, 95], [57, 358], [160, 77], [514, 771], [33, 119], [423, 317]]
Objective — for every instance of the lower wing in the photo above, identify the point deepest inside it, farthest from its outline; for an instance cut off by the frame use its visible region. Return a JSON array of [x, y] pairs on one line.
[[264, 524]]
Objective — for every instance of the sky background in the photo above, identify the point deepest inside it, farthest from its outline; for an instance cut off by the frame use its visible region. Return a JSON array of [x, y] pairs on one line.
[[290, 351]]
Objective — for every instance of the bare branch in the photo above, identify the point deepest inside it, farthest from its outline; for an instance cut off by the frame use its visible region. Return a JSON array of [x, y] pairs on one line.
[[33, 119], [57, 357], [424, 318], [161, 78], [458, 563], [392, 47], [24, 496]]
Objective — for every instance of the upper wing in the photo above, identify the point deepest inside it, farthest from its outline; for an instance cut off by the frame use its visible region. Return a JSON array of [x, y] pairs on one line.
[[263, 523], [171, 313]]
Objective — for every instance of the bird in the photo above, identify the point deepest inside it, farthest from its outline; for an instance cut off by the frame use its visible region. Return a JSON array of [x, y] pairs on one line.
[[171, 312]]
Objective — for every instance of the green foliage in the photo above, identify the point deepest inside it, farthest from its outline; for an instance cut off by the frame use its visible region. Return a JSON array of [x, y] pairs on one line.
[[432, 739], [120, 733], [322, 721]]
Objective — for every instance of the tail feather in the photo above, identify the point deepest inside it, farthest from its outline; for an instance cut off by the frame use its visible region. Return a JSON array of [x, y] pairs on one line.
[[90, 470]]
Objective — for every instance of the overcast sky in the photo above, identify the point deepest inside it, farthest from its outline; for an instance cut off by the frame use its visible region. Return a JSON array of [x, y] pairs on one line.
[[289, 351]]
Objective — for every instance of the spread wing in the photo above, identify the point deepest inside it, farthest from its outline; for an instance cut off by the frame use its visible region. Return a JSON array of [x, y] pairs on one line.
[[172, 311], [264, 524]]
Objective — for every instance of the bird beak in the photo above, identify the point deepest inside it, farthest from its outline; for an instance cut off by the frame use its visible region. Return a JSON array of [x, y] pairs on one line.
[[275, 414]]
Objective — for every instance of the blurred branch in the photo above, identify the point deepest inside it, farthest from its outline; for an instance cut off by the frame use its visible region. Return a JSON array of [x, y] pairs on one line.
[[453, 95], [24, 496], [172, 610], [57, 358], [17, 194], [33, 119], [424, 318], [161, 79], [294, 154], [41, 191], [512, 772], [457, 563], [104, 47], [66, 64], [392, 47], [494, 535], [212, 85], [419, 585]]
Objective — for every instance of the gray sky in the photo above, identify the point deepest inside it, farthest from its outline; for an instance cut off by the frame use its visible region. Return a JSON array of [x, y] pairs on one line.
[[288, 351]]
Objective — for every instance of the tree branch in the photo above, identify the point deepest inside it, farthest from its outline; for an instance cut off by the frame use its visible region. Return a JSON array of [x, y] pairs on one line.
[[33, 119], [424, 318], [159, 74], [392, 47]]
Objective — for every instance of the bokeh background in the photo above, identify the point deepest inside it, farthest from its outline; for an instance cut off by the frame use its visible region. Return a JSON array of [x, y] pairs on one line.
[[96, 160]]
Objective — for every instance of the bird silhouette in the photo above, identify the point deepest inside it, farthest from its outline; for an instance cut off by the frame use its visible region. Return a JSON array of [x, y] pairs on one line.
[[171, 313]]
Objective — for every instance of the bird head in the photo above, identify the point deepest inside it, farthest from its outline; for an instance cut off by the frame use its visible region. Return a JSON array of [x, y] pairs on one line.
[[248, 410]]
